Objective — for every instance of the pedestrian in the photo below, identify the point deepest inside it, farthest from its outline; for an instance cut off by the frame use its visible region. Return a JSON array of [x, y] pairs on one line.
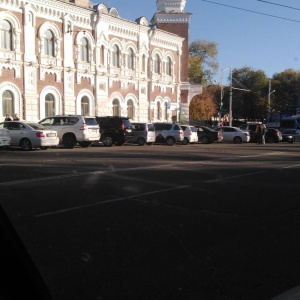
[[8, 118], [16, 117], [263, 133], [258, 134]]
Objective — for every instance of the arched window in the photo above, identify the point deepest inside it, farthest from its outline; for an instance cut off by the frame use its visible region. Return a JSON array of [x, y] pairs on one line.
[[116, 107], [7, 103], [157, 64], [115, 57], [102, 55], [6, 35], [84, 51], [169, 66], [130, 109], [130, 59], [166, 111], [49, 105], [158, 111], [49, 43], [85, 107], [144, 63]]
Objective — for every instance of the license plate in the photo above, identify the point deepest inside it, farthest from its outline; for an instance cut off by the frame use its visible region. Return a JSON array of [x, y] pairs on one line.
[[51, 134]]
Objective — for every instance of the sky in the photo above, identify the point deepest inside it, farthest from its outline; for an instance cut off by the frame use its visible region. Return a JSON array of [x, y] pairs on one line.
[[263, 35]]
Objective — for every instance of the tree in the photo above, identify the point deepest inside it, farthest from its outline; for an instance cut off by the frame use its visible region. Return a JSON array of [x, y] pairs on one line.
[[248, 105], [202, 61], [203, 106], [287, 87]]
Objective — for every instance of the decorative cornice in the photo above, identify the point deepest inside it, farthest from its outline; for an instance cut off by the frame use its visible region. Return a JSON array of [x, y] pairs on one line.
[[172, 18]]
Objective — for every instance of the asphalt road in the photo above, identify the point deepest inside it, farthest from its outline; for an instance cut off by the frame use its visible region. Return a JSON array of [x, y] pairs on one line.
[[211, 222]]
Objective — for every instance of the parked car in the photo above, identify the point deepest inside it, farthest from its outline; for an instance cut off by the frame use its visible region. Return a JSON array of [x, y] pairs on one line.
[[114, 130], [250, 127], [73, 129], [291, 135], [190, 134], [207, 135], [29, 136], [273, 135], [4, 137], [234, 134], [168, 133], [143, 133]]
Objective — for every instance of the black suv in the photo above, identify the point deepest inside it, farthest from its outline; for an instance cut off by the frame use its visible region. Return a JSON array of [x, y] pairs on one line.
[[114, 130]]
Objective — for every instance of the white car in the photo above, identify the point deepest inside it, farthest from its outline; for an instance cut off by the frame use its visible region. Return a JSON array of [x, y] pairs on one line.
[[4, 138], [73, 129], [29, 136], [190, 134], [234, 134], [168, 133]]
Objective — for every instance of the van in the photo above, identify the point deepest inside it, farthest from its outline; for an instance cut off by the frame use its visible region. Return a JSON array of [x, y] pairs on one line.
[[143, 133]]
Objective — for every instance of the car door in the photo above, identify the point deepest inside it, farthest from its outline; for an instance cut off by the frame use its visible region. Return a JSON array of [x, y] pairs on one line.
[[227, 134], [16, 132]]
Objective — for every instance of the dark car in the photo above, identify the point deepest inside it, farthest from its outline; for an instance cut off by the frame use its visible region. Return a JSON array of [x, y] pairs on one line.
[[114, 130], [273, 135], [291, 135], [206, 135]]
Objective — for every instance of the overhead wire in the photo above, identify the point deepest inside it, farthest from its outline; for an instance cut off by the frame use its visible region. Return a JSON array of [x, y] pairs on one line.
[[282, 5], [253, 11]]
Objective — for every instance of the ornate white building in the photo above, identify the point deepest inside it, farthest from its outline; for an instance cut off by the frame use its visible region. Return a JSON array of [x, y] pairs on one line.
[[67, 57]]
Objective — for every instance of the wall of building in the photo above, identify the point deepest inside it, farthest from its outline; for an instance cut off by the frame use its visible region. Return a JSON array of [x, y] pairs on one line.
[[31, 76]]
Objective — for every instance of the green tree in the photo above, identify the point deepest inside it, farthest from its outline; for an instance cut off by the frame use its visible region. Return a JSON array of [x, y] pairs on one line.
[[287, 89], [203, 63], [248, 105]]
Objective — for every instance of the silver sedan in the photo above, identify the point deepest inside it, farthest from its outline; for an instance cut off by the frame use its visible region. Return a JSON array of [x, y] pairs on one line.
[[30, 136]]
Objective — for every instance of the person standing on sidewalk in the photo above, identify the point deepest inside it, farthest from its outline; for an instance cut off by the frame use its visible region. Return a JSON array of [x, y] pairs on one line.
[[258, 136], [263, 133]]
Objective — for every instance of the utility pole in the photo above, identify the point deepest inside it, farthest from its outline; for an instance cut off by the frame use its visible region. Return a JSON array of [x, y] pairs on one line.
[[230, 99]]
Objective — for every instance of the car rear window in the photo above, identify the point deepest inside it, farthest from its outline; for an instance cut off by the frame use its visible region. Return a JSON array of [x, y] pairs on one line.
[[127, 123], [138, 127], [151, 127], [162, 126], [90, 121], [177, 127]]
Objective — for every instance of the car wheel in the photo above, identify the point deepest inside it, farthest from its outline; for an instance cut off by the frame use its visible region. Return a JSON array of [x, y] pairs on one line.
[[25, 144], [237, 140], [204, 140], [69, 141], [85, 144], [107, 141], [185, 141], [170, 141], [141, 142]]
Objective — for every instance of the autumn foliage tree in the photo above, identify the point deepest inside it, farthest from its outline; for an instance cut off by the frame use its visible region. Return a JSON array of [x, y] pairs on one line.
[[203, 106]]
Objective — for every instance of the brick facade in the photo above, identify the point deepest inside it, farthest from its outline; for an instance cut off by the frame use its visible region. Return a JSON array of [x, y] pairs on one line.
[[79, 62]]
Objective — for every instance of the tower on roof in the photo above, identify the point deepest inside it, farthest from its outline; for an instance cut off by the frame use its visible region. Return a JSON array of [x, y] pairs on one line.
[[170, 6]]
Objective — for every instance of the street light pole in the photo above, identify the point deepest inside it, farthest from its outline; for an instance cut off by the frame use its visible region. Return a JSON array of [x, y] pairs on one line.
[[230, 99], [269, 102]]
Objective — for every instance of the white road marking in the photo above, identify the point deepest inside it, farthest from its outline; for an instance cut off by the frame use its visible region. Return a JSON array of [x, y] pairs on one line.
[[111, 201]]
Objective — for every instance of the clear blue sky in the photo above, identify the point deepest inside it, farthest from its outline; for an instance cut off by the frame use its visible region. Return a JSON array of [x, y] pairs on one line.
[[253, 33]]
